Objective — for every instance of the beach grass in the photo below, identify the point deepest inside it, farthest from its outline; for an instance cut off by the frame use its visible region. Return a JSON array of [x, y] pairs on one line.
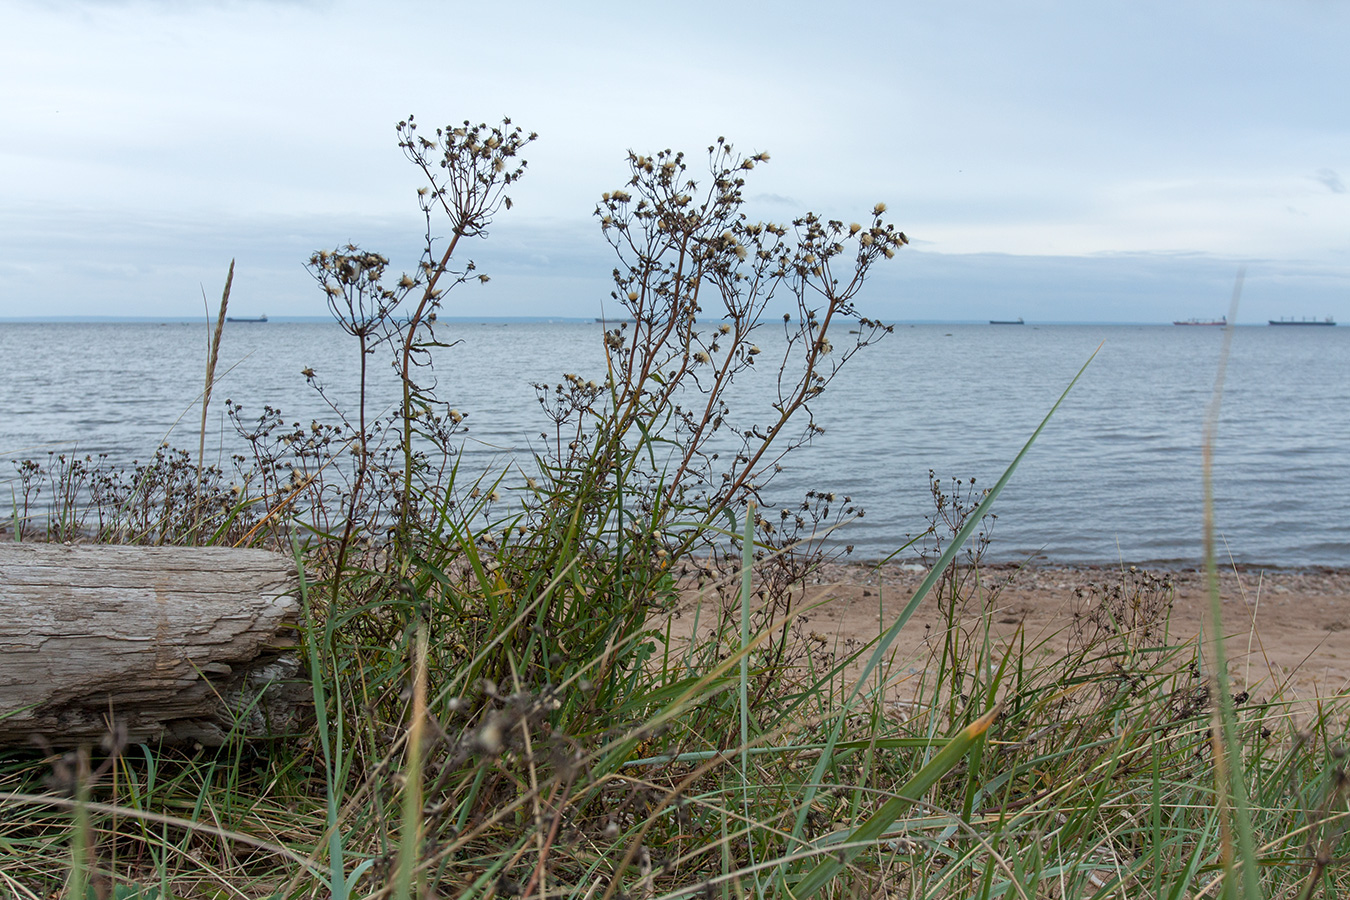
[[1011, 772]]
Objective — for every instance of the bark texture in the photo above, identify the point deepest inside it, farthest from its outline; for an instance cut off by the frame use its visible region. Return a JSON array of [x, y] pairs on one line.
[[174, 644]]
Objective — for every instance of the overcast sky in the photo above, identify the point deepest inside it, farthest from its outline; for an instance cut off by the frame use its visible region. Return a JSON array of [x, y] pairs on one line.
[[1065, 161]]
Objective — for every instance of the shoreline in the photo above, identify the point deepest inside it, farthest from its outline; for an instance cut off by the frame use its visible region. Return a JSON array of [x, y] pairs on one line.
[[857, 565], [1169, 566], [1288, 629]]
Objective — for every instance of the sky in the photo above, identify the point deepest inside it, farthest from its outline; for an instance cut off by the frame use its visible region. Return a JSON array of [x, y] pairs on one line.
[[1059, 161]]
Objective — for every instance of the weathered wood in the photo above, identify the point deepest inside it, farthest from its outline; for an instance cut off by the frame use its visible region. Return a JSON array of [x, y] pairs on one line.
[[176, 644]]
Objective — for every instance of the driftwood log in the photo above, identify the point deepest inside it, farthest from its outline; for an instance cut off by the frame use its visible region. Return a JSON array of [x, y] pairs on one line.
[[170, 644]]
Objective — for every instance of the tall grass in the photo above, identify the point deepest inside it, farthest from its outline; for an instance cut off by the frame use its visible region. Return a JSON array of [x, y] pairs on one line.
[[501, 708]]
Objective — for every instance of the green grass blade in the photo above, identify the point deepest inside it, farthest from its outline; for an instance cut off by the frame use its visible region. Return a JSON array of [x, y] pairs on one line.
[[1228, 749], [747, 570]]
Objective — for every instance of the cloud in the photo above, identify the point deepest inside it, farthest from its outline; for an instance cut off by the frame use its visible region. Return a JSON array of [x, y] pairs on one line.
[[160, 266], [1125, 287], [777, 199], [1333, 181]]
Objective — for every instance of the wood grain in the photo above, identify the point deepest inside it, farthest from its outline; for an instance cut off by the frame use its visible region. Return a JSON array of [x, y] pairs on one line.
[[176, 644]]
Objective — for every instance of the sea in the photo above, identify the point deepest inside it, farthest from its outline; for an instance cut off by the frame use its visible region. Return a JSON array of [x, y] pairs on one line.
[[1115, 477]]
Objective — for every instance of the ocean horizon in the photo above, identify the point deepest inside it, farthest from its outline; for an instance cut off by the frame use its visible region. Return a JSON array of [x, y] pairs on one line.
[[1115, 476]]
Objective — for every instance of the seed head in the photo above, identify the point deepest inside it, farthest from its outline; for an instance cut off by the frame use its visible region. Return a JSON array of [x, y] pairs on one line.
[[490, 737]]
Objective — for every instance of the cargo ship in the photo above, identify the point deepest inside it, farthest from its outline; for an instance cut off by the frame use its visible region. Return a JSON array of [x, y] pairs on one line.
[[1221, 321], [1327, 321], [262, 318]]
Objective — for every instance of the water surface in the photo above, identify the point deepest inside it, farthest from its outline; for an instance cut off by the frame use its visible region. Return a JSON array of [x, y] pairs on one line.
[[1116, 475]]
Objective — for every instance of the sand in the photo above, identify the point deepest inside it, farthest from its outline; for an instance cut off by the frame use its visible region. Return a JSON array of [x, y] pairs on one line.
[[1289, 631]]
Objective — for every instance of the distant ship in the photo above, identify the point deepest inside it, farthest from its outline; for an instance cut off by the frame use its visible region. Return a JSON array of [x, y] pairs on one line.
[[1017, 321], [262, 318], [1327, 321], [1221, 321]]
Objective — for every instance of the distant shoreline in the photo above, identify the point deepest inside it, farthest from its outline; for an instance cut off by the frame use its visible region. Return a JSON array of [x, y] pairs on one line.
[[526, 320]]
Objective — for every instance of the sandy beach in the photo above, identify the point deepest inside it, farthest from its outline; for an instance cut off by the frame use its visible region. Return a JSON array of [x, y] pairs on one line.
[[1289, 631]]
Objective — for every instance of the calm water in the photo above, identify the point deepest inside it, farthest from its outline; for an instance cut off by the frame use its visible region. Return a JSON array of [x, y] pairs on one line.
[[1115, 476]]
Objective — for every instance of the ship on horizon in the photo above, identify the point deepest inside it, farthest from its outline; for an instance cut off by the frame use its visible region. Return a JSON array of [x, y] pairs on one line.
[[1017, 321], [1221, 321], [262, 318], [1327, 321]]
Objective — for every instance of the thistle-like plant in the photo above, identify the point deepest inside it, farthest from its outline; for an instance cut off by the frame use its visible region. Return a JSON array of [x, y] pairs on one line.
[[467, 169], [698, 277], [648, 461]]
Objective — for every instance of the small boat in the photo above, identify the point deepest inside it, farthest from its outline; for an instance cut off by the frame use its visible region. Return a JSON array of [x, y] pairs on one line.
[[1017, 321], [1221, 321], [1327, 321], [259, 319]]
